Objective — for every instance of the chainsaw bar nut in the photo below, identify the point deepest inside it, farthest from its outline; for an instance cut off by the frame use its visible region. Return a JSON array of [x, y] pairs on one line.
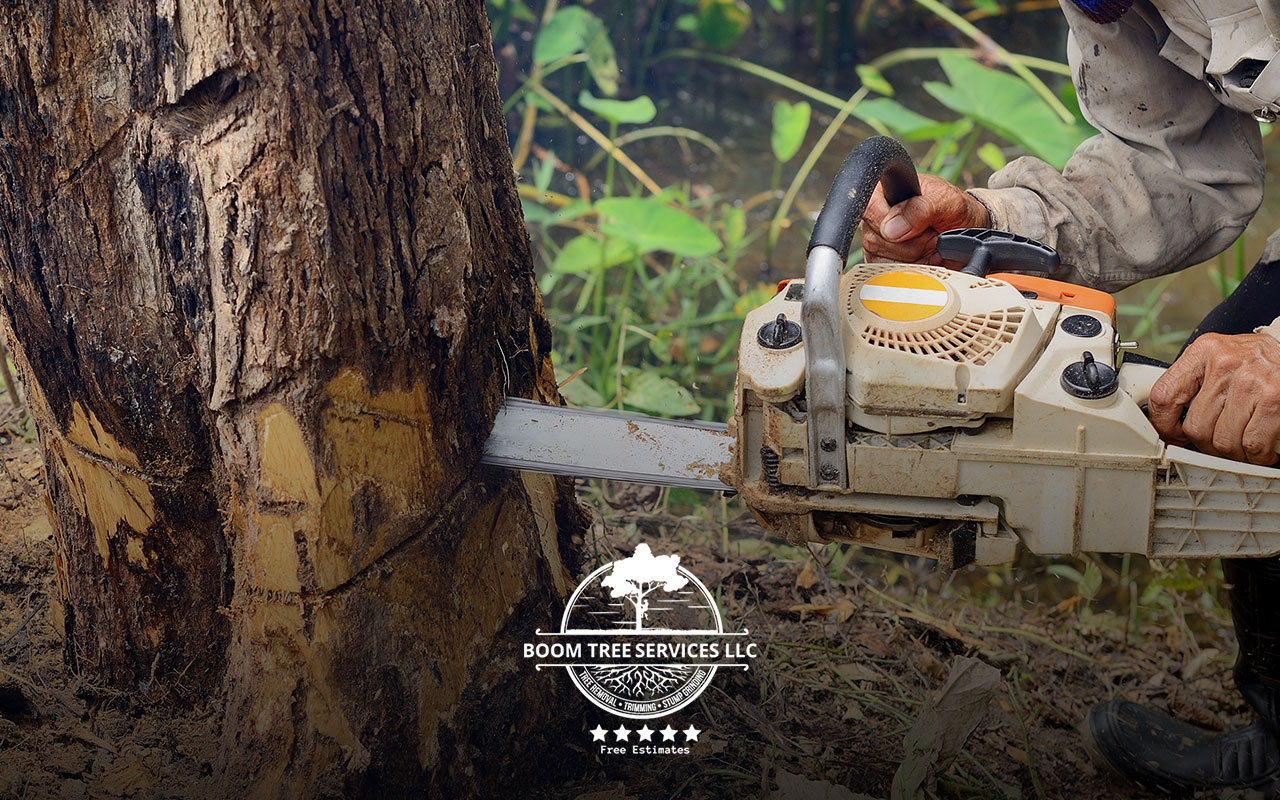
[[780, 334], [1089, 380]]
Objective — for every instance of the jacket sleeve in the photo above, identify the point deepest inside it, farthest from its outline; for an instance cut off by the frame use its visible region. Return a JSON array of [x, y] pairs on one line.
[[1172, 179]]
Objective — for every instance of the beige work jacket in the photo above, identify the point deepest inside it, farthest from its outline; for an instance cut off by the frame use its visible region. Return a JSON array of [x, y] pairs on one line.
[[1176, 88]]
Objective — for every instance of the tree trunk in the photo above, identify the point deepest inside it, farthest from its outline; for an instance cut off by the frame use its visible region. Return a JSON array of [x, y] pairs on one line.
[[266, 281]]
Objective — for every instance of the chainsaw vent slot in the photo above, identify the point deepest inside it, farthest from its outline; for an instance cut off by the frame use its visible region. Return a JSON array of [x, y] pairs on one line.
[[967, 339]]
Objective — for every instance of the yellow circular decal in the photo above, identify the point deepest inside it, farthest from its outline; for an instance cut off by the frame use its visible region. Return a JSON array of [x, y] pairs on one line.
[[904, 296]]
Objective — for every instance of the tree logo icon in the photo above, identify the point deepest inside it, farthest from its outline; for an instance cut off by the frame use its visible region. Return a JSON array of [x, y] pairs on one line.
[[637, 577], [641, 637]]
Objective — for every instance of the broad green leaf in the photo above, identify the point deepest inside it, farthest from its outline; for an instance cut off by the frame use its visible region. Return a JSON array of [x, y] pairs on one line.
[[673, 194], [874, 80], [735, 225], [639, 111], [896, 117], [790, 124], [991, 156], [575, 209], [658, 395], [584, 254], [650, 224], [565, 34], [688, 23], [534, 213], [602, 62], [574, 30], [1005, 105], [778, 6], [722, 22]]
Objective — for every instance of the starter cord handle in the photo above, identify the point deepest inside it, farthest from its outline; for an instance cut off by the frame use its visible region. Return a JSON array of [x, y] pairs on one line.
[[879, 159], [984, 249]]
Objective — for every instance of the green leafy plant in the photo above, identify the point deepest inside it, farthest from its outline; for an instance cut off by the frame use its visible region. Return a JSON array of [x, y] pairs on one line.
[[720, 23], [572, 31], [790, 124], [1007, 106], [642, 278]]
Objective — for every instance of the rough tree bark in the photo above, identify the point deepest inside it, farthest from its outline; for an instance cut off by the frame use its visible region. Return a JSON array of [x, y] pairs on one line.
[[266, 280]]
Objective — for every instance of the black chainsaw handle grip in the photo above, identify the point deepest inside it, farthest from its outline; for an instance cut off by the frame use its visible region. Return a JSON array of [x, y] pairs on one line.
[[879, 159], [984, 249]]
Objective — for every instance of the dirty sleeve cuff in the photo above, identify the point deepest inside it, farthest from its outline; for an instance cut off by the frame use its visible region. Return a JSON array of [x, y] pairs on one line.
[[1017, 210], [1272, 330]]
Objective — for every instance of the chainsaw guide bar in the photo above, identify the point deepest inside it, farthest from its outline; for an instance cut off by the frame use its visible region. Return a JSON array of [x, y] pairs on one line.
[[595, 443]]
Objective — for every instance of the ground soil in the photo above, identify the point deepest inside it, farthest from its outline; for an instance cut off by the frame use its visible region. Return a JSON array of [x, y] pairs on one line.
[[855, 644]]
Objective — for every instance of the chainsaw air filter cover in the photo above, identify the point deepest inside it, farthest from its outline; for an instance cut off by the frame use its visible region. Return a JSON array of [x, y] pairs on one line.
[[925, 342]]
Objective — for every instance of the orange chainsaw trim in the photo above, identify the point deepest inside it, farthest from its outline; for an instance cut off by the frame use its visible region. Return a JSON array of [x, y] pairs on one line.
[[1068, 294], [1048, 289]]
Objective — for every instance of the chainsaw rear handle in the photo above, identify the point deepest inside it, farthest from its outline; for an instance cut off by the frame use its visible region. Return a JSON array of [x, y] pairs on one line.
[[875, 160], [1137, 376], [879, 159]]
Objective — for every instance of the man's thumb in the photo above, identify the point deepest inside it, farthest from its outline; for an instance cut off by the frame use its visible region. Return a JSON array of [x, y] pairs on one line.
[[894, 226]]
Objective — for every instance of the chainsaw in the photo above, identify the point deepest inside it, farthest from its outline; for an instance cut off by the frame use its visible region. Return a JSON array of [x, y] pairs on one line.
[[944, 413]]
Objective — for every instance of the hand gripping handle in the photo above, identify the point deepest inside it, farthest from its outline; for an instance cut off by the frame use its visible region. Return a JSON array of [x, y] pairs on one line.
[[1138, 374], [876, 160]]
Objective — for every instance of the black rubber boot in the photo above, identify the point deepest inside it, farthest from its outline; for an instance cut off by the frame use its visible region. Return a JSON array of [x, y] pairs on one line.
[[1166, 755]]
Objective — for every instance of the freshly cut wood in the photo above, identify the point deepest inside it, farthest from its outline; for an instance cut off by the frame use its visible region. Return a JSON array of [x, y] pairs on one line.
[[264, 274]]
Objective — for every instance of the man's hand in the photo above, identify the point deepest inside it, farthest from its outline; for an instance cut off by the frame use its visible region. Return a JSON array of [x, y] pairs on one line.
[[1229, 387], [908, 232]]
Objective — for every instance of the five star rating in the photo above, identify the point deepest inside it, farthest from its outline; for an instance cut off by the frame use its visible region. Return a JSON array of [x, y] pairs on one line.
[[622, 733]]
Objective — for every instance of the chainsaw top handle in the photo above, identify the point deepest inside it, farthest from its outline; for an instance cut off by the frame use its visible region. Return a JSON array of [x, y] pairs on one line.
[[876, 160], [879, 159]]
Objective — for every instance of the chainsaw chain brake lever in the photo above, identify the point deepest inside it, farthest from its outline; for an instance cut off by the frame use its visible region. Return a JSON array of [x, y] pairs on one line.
[[984, 249]]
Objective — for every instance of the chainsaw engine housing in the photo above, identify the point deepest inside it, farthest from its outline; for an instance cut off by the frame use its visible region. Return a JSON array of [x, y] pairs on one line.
[[981, 412]]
